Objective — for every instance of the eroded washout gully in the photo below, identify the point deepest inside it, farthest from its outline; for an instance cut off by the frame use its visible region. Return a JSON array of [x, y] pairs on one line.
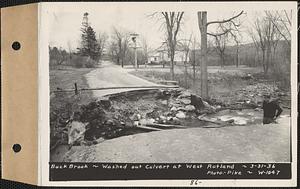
[[150, 110]]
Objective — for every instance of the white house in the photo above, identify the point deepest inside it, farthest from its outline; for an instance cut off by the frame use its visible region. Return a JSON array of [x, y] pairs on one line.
[[161, 54]]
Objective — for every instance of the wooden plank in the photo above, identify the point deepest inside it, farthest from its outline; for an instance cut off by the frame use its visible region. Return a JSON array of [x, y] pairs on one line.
[[165, 125], [149, 128], [167, 82]]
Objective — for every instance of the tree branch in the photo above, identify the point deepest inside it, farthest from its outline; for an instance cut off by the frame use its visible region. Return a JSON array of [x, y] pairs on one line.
[[224, 21], [218, 34]]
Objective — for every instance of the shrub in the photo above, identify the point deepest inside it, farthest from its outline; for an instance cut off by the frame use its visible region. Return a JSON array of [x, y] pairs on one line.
[[78, 64], [82, 62], [90, 63]]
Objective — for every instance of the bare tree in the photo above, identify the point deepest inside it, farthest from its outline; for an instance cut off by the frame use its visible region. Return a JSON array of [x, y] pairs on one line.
[[220, 44], [267, 37], [185, 44], [121, 40], [203, 24], [102, 39], [282, 23], [235, 34], [57, 55], [256, 45], [172, 22], [69, 49], [113, 51], [237, 54], [145, 49]]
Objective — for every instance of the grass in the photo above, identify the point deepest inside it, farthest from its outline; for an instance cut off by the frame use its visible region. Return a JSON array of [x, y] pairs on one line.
[[224, 84], [219, 82], [64, 104]]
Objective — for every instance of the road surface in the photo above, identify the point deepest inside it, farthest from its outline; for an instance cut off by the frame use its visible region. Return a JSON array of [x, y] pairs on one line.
[[253, 143], [111, 75]]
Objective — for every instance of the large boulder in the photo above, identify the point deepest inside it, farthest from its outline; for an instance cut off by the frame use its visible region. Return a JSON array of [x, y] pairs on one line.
[[181, 115], [197, 102], [185, 101], [185, 94], [189, 108]]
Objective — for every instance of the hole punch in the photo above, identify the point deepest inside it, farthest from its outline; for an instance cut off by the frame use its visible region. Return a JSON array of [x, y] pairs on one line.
[[16, 45], [16, 148]]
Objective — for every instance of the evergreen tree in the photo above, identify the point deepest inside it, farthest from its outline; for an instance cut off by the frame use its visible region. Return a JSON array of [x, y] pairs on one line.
[[89, 45]]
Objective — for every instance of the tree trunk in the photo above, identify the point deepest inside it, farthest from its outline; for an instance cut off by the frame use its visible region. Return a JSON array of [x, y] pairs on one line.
[[202, 21], [268, 59], [172, 65], [194, 68], [264, 61], [237, 56], [185, 74], [222, 60]]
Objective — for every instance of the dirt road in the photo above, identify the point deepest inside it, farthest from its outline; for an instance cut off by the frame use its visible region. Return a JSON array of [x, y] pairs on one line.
[[252, 143], [111, 75]]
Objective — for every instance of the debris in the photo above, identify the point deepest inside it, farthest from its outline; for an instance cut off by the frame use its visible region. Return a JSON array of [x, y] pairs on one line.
[[136, 117], [166, 125], [147, 121], [212, 120], [208, 106], [105, 103], [185, 101], [162, 117], [237, 120], [189, 108], [76, 132], [164, 102], [184, 94], [118, 114], [197, 102], [181, 115], [149, 128]]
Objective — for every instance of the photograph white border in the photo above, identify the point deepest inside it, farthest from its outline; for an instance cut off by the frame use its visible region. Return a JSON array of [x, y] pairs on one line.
[[44, 129]]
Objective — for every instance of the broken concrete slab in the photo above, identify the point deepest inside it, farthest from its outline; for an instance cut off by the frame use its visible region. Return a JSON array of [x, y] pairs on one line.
[[237, 120], [189, 108], [181, 115], [76, 132], [185, 101]]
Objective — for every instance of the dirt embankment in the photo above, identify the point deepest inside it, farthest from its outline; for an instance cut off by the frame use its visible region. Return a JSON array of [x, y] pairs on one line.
[[126, 113]]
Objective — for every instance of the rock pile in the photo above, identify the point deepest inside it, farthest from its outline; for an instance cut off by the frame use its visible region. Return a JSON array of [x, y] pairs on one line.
[[112, 116], [253, 94]]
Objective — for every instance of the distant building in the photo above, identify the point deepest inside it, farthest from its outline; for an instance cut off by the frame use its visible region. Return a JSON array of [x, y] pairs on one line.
[[161, 55]]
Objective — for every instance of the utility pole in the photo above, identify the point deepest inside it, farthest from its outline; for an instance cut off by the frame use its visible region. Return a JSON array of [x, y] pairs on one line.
[[133, 38], [194, 62]]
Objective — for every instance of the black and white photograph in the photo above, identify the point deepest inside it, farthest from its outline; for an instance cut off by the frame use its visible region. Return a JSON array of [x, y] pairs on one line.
[[158, 86]]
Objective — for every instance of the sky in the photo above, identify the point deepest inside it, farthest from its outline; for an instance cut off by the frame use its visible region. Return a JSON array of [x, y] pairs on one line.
[[65, 20]]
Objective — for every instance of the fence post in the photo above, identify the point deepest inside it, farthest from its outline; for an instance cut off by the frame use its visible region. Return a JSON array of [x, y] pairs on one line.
[[76, 90]]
